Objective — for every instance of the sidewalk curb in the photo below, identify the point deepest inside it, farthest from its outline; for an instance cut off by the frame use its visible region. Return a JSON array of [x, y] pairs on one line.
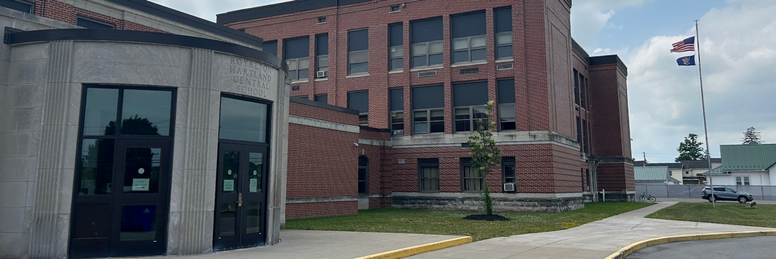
[[413, 250], [629, 249]]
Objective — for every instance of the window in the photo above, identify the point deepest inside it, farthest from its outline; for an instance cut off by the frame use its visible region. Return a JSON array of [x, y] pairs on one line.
[[323, 98], [428, 175], [395, 8], [503, 24], [397, 111], [322, 55], [471, 180], [22, 6], [582, 85], [270, 47], [322, 19], [243, 120], [426, 38], [358, 52], [296, 53], [584, 137], [576, 87], [506, 104], [395, 41], [508, 170], [360, 101], [468, 34], [363, 175], [579, 131], [94, 24], [428, 114], [742, 180], [469, 100]]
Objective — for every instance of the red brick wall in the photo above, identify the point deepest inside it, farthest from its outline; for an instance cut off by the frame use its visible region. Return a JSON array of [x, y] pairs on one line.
[[320, 209], [541, 168], [529, 42], [611, 125], [60, 11], [321, 162], [616, 177]]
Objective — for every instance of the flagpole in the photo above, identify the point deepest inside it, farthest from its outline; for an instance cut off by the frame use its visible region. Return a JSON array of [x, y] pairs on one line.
[[703, 104]]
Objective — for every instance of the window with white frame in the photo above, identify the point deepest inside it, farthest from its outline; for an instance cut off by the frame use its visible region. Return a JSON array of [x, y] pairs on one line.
[[471, 180], [396, 47], [397, 110], [296, 53], [468, 33], [503, 30], [428, 175], [358, 52], [469, 100], [321, 55], [742, 180], [508, 170], [360, 101], [428, 109], [426, 38], [506, 104]]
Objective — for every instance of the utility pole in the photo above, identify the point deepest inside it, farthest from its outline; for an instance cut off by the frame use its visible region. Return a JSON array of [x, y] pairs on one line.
[[645, 158]]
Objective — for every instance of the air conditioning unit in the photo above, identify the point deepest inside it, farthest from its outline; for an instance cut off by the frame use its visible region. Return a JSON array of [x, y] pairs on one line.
[[509, 187], [397, 132], [320, 74]]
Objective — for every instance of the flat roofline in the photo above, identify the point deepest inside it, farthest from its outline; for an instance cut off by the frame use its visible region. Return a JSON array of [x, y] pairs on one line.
[[190, 20], [306, 101], [14, 37], [280, 9]]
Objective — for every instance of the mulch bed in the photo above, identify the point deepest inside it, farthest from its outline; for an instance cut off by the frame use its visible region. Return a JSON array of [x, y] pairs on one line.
[[486, 217]]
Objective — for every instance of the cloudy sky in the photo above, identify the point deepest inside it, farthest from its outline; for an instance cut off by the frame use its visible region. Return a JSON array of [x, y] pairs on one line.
[[738, 50]]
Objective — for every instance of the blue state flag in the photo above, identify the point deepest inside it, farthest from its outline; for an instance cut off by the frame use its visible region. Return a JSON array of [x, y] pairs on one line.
[[686, 61]]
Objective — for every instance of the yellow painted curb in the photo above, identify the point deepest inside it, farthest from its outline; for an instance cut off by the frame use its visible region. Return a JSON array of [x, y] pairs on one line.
[[409, 251], [629, 249]]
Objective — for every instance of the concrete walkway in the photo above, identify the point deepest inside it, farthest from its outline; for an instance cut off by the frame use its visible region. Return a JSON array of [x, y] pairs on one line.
[[593, 240], [305, 244]]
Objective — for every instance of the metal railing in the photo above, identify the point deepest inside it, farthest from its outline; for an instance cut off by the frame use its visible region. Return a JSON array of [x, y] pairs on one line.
[[759, 192]]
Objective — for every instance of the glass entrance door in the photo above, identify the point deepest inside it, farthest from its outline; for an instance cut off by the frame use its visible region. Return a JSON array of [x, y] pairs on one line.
[[128, 214], [240, 214]]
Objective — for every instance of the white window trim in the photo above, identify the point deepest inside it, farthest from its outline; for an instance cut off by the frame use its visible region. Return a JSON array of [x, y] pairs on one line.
[[469, 49]]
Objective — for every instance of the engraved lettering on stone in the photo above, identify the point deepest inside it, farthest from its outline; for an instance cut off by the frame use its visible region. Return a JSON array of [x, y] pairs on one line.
[[250, 77]]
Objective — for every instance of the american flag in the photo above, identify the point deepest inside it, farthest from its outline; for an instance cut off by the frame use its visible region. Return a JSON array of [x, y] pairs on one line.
[[687, 44]]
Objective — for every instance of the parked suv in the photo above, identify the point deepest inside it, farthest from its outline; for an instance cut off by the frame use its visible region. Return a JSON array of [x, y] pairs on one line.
[[724, 193]]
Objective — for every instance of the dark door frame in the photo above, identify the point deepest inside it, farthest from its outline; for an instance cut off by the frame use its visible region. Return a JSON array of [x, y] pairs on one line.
[[110, 199], [241, 239]]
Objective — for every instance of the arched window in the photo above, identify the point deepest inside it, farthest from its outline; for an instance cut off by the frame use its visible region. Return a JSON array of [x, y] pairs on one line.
[[363, 175]]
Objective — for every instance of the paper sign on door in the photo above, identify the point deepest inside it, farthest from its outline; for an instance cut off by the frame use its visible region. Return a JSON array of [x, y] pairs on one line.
[[228, 185], [254, 184], [140, 184]]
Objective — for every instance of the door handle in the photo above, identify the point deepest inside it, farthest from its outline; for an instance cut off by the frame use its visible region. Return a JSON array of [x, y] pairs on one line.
[[239, 200]]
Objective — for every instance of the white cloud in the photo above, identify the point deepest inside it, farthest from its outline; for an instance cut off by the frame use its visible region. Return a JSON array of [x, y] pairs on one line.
[[738, 48], [589, 17], [208, 9]]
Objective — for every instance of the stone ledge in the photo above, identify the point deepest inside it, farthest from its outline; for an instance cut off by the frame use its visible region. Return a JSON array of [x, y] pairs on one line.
[[499, 204]]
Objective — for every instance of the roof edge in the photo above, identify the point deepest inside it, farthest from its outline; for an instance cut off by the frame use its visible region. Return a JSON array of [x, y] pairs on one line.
[[306, 101], [190, 20]]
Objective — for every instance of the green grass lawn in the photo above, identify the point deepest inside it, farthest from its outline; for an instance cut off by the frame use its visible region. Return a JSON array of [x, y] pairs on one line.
[[451, 223], [763, 215]]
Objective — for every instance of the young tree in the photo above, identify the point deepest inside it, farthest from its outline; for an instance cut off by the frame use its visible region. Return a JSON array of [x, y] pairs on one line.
[[485, 154], [751, 137], [690, 149]]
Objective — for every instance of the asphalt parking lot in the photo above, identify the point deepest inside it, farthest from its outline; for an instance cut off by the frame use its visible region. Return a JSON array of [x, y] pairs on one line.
[[745, 247]]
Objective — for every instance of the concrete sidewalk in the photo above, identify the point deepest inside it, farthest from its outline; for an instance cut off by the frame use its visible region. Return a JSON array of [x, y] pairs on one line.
[[305, 244], [593, 240]]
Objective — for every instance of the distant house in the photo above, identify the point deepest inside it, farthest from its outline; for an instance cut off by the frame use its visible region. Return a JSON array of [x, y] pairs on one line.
[[746, 165], [653, 174], [687, 171]]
